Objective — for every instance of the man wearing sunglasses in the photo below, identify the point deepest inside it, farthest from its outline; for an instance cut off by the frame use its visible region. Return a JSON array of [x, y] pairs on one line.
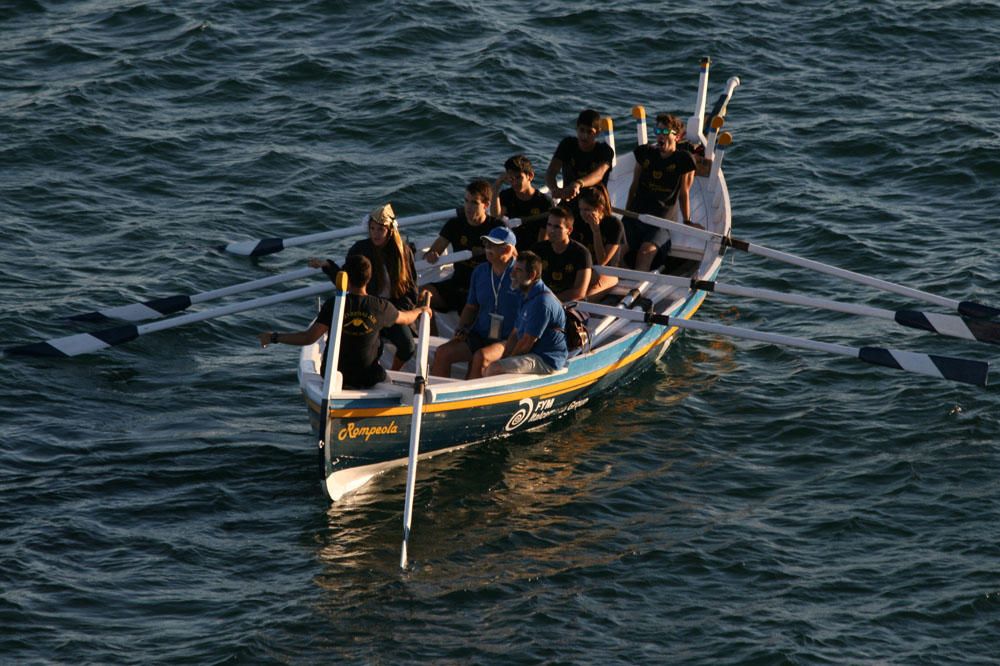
[[662, 178]]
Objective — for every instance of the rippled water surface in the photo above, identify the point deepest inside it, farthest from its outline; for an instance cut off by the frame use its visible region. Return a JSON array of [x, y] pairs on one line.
[[740, 504]]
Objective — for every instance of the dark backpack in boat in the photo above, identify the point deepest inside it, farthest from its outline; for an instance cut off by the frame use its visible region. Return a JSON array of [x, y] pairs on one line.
[[577, 335]]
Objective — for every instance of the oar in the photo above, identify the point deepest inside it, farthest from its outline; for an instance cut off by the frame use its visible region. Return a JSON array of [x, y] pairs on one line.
[[263, 246], [722, 103], [966, 308], [958, 327], [333, 359], [86, 343], [419, 383], [160, 307], [943, 367]]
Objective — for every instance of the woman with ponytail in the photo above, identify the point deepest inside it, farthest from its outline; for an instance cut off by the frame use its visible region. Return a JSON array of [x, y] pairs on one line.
[[394, 275]]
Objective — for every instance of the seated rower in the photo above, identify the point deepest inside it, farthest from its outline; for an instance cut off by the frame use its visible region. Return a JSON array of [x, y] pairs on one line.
[[601, 233], [521, 200], [566, 263], [462, 232], [537, 344], [582, 159], [662, 177], [394, 275], [364, 317], [489, 314]]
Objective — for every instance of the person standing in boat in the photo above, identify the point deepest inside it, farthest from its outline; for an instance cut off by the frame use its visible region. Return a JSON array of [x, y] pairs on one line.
[[582, 160], [521, 200], [462, 232], [537, 343], [662, 178], [394, 274], [365, 316], [601, 233], [566, 263], [490, 312]]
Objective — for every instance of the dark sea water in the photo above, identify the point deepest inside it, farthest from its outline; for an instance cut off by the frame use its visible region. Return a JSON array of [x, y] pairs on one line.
[[740, 504]]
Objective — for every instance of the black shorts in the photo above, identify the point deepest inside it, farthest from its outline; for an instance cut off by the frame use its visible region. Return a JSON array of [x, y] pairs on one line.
[[477, 342], [453, 292], [637, 233], [402, 338]]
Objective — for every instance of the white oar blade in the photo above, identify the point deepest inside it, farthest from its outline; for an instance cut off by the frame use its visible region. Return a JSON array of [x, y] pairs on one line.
[[255, 248]]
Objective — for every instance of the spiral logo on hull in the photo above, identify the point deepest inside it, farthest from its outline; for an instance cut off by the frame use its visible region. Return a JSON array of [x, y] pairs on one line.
[[523, 413]]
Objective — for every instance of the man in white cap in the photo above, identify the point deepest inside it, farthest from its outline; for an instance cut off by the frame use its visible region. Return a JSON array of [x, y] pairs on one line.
[[489, 312]]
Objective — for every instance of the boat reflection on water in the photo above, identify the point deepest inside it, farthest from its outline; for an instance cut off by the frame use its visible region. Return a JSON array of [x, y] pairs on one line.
[[513, 508]]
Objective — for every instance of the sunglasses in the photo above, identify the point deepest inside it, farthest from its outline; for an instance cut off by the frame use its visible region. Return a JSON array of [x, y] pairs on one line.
[[658, 131]]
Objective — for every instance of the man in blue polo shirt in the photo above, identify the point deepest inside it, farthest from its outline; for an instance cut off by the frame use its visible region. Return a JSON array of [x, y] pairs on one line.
[[490, 310], [537, 345]]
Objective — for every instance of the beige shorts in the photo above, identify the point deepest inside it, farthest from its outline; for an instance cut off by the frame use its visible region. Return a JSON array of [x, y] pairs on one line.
[[525, 364]]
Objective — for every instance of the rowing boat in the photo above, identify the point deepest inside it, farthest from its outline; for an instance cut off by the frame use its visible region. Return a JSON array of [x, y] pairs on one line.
[[363, 433]]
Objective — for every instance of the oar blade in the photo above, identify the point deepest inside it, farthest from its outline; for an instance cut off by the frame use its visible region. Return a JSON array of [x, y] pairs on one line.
[[981, 330], [977, 310], [153, 309], [255, 248], [81, 343], [962, 370]]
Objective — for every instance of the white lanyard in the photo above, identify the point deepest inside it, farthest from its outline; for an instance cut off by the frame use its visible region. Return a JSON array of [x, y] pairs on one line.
[[496, 287]]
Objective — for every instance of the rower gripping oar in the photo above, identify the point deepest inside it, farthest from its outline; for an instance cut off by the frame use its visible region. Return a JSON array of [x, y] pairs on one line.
[[967, 308], [419, 384], [264, 246], [961, 370]]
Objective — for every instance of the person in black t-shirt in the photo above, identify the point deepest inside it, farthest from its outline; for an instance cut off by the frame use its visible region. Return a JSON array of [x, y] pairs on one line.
[[582, 160], [663, 176], [600, 232], [566, 263], [462, 232], [521, 200], [394, 274], [364, 318]]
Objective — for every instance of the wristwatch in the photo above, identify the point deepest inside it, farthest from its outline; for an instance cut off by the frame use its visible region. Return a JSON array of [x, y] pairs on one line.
[[274, 338]]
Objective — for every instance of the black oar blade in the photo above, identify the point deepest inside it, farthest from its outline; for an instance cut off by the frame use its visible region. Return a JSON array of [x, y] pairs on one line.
[[82, 343], [961, 370], [981, 330], [268, 246], [977, 310]]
